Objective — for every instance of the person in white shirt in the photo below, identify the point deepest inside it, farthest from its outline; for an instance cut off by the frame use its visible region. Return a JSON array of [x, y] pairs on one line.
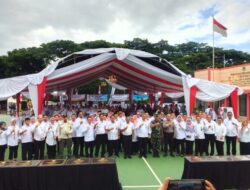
[[112, 130], [12, 139], [134, 136], [26, 134], [79, 135], [232, 126], [39, 138], [220, 133], [209, 135], [3, 140], [180, 135], [51, 136], [244, 138], [143, 132], [199, 127], [127, 129], [190, 136], [101, 136], [89, 136]]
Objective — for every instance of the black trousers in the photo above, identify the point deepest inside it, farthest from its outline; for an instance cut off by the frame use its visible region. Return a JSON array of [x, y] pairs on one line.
[[127, 145], [199, 146], [13, 152], [143, 141], [89, 148], [78, 146], [100, 142], [180, 143], [135, 147], [113, 147], [231, 141], [51, 151], [2, 152], [189, 147], [39, 150], [168, 142], [209, 140], [27, 149], [220, 148], [244, 148]]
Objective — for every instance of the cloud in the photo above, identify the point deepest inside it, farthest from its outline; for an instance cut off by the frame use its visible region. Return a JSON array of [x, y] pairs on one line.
[[25, 23]]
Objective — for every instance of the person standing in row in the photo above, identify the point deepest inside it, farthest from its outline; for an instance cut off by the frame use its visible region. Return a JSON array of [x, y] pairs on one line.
[[190, 136], [12, 139], [126, 130], [39, 138], [220, 133], [244, 138], [3, 140], [101, 136], [51, 136], [168, 135], [26, 134], [180, 135], [209, 135], [80, 121], [232, 126], [64, 137], [89, 136], [156, 126], [199, 127]]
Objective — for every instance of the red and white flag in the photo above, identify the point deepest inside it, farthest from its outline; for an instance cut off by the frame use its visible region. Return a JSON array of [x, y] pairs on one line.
[[219, 28]]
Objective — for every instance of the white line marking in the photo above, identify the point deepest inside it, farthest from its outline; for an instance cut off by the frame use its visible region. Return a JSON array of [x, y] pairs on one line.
[[156, 177], [140, 186]]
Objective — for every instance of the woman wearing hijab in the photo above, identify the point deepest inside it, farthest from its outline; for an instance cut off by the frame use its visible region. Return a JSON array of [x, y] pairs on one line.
[[190, 136], [3, 140]]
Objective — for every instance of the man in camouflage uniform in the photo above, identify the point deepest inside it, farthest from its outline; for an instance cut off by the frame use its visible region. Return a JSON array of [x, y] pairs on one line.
[[156, 126]]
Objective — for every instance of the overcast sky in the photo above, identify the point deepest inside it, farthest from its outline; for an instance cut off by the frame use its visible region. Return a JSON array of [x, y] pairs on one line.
[[26, 23]]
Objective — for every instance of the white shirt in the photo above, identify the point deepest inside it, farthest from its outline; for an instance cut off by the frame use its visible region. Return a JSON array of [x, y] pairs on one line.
[[52, 131], [190, 133], [210, 127], [40, 131], [232, 127], [12, 136], [199, 130], [3, 137], [220, 132], [129, 129], [89, 134], [114, 133], [100, 127], [27, 136], [180, 130], [79, 129], [244, 134], [143, 128]]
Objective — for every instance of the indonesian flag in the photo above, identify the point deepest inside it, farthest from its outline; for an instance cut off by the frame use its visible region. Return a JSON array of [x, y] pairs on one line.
[[219, 28]]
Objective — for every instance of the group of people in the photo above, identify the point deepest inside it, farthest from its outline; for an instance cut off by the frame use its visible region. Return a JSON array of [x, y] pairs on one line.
[[109, 133]]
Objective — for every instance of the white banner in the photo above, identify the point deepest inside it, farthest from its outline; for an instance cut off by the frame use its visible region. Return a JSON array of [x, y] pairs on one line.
[[120, 98], [78, 97]]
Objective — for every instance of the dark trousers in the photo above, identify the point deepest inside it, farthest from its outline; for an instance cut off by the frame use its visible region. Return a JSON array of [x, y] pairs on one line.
[[127, 145], [180, 143], [100, 142], [13, 152], [27, 149], [135, 146], [2, 151], [189, 147], [89, 148], [231, 141], [143, 141], [113, 147], [244, 148], [39, 150], [209, 140], [220, 148], [168, 142], [199, 146], [78, 146], [51, 151]]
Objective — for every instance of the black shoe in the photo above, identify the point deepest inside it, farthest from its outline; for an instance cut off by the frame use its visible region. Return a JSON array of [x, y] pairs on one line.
[[165, 155], [129, 157], [172, 155], [125, 157], [140, 156], [117, 155]]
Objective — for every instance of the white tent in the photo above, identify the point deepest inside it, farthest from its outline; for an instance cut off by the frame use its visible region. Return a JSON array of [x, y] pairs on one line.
[[135, 70]]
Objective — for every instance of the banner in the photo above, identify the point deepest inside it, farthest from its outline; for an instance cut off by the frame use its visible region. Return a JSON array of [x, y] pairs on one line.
[[78, 97], [140, 97], [97, 98], [120, 98]]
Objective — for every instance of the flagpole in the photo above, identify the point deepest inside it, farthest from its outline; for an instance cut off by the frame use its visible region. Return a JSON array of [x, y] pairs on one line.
[[213, 48]]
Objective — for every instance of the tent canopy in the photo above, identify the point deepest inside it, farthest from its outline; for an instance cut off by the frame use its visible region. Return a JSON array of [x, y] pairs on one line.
[[135, 70]]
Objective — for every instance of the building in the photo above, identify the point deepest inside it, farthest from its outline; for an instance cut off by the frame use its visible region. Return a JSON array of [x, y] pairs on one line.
[[235, 75]]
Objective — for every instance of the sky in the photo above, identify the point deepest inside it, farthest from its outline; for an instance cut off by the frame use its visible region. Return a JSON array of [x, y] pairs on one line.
[[28, 23]]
